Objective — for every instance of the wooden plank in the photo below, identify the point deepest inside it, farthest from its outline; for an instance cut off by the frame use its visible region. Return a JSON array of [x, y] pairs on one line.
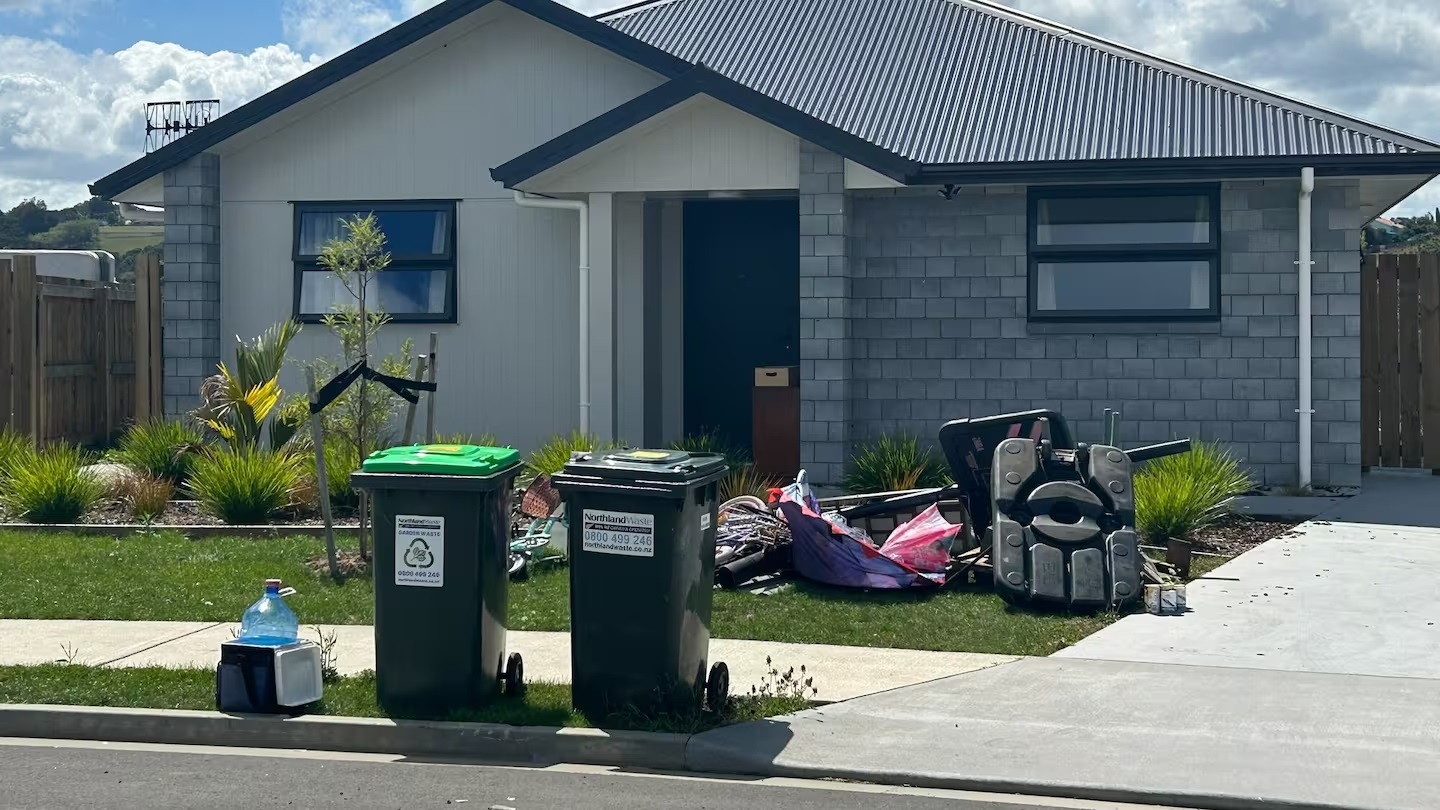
[[1409, 376], [43, 401], [1387, 307], [1369, 365], [24, 374], [66, 291], [154, 358], [65, 371], [122, 369], [1430, 358], [143, 319], [6, 387], [105, 387]]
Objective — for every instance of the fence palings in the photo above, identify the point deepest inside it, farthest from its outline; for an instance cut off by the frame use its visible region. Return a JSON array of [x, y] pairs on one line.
[[74, 355], [1400, 361]]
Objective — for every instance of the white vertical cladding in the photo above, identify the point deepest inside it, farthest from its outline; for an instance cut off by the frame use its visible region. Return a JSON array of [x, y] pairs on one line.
[[602, 316], [672, 319], [701, 144], [630, 318], [431, 130]]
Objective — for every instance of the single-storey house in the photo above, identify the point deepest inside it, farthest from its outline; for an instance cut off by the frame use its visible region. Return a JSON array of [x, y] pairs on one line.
[[929, 208]]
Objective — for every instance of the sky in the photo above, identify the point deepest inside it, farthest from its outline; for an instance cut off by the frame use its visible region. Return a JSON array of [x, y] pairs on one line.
[[75, 74]]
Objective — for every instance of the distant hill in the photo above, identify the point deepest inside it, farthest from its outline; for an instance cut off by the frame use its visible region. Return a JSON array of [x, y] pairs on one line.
[[121, 239]]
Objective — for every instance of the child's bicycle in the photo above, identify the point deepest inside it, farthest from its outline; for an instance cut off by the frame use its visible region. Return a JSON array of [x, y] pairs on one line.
[[544, 538]]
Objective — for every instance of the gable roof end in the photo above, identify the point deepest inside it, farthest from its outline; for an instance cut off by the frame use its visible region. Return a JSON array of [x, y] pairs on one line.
[[698, 81], [361, 57]]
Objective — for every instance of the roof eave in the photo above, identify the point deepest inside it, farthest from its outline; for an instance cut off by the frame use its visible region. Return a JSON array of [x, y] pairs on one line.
[[366, 54], [1152, 169]]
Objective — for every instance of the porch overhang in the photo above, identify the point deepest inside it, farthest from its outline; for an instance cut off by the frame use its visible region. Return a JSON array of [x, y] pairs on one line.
[[696, 82]]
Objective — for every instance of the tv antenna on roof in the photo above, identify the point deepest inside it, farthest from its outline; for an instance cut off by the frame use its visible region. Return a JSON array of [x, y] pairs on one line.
[[165, 121]]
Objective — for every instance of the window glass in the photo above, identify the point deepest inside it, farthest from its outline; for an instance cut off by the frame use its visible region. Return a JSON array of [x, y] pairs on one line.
[[402, 291], [1088, 221], [1098, 286], [408, 232]]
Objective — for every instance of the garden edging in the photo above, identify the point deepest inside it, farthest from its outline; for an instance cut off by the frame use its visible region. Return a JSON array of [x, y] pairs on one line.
[[537, 745]]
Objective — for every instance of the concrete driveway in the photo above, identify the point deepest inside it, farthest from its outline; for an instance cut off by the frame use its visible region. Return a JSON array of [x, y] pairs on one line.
[[1355, 591]]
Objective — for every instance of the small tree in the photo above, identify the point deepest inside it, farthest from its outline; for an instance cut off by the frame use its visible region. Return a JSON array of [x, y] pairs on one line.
[[361, 417]]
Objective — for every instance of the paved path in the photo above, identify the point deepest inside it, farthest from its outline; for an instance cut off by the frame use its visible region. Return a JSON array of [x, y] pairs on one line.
[[1094, 728], [840, 672], [1354, 591]]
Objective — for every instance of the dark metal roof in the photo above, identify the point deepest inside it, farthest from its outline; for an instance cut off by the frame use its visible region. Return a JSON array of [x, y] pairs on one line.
[[967, 82]]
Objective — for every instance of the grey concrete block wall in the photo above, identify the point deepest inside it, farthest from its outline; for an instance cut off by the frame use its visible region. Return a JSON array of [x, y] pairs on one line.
[[825, 309], [190, 289], [938, 330]]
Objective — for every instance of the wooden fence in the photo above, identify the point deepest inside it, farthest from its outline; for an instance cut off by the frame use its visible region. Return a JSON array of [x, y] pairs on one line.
[[1400, 361], [78, 359]]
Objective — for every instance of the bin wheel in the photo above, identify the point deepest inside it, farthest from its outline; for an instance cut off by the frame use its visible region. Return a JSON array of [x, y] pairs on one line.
[[717, 688], [514, 675]]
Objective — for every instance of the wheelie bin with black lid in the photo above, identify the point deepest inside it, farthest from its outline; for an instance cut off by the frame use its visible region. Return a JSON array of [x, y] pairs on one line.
[[442, 537], [642, 573]]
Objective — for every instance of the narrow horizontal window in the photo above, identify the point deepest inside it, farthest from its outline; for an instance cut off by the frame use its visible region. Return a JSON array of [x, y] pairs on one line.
[[418, 286], [1124, 253]]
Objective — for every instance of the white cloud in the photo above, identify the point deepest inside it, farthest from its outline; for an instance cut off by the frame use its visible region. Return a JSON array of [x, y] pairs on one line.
[[67, 118], [328, 28]]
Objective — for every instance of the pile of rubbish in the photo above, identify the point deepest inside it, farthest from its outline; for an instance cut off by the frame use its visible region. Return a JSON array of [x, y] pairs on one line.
[[792, 532], [1046, 521]]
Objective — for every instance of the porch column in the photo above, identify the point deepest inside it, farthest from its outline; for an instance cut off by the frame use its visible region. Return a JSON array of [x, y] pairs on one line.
[[190, 290], [602, 316], [825, 348]]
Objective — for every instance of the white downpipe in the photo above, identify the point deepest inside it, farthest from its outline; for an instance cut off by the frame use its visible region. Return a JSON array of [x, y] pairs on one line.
[[528, 200], [1304, 265]]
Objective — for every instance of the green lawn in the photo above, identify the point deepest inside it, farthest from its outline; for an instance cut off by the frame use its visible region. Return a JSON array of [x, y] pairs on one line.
[[543, 704], [121, 239], [165, 577]]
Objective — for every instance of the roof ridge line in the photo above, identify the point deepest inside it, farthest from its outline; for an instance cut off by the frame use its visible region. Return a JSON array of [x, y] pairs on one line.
[[1182, 69]]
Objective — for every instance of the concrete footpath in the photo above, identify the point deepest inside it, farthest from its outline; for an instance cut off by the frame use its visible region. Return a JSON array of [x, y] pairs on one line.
[[1165, 734], [840, 673], [1351, 592]]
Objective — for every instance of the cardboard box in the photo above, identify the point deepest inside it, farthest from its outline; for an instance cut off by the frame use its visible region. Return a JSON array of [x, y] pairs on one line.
[[777, 376]]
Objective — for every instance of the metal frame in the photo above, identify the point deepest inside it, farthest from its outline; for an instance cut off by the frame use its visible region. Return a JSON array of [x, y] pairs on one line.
[[1037, 254], [307, 263]]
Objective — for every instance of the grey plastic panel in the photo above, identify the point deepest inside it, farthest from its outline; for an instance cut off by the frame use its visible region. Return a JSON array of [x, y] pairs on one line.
[[1015, 464], [1047, 579], [1109, 476], [1124, 552], [1085, 531], [1008, 556], [1087, 577], [1049, 495]]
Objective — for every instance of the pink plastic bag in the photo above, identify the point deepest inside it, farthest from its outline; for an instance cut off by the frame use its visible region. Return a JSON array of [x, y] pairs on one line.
[[923, 543]]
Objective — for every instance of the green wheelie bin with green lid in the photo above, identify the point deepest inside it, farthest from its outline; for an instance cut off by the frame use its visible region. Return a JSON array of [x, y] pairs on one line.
[[642, 573], [442, 547]]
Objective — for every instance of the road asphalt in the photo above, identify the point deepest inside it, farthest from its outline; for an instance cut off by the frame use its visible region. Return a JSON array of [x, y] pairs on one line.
[[119, 776]]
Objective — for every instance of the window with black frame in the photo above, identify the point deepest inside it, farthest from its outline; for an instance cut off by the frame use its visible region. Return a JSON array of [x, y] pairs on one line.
[[418, 286], [1124, 253]]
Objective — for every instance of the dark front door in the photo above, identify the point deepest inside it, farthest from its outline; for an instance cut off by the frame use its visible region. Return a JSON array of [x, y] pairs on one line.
[[742, 307]]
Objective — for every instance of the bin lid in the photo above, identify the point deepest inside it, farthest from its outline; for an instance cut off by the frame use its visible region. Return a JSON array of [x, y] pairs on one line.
[[673, 466], [442, 459]]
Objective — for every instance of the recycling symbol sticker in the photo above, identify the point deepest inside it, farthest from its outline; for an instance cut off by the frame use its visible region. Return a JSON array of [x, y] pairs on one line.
[[420, 551], [418, 555]]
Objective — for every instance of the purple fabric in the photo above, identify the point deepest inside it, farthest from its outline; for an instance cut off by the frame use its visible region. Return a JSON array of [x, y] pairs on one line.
[[824, 554]]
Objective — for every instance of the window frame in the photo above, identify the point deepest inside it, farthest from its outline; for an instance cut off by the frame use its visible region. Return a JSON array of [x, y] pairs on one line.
[[1037, 254], [449, 262]]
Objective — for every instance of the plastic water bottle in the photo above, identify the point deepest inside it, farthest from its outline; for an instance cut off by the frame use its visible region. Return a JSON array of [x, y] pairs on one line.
[[269, 621]]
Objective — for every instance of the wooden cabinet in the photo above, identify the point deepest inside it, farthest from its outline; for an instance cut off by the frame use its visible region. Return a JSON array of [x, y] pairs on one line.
[[776, 437]]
